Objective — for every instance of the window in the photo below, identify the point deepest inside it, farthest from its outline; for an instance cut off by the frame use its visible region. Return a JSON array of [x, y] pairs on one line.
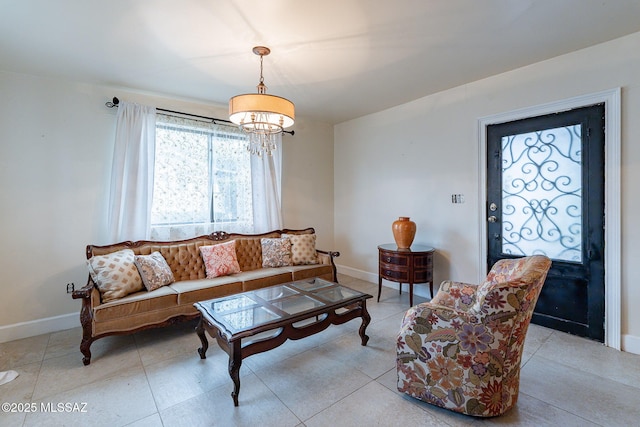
[[202, 180]]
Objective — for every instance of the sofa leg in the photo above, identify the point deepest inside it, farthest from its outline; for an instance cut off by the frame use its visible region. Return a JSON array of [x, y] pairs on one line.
[[85, 350], [87, 338]]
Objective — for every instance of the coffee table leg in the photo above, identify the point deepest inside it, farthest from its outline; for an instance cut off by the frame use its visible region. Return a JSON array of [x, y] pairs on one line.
[[235, 361], [366, 319], [202, 351]]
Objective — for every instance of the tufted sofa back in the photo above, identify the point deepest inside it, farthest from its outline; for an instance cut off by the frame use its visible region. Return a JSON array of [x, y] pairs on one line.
[[184, 257]]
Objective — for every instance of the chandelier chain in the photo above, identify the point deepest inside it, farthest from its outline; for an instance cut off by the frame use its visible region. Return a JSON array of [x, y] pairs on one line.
[[261, 77]]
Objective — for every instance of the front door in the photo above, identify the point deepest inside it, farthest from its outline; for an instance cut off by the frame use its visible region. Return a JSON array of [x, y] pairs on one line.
[[545, 189]]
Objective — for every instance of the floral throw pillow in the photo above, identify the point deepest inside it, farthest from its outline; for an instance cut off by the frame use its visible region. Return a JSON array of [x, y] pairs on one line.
[[154, 270], [303, 248], [220, 259], [115, 274], [276, 252]]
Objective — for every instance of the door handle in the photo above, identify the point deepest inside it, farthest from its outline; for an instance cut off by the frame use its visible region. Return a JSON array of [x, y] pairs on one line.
[[492, 218]]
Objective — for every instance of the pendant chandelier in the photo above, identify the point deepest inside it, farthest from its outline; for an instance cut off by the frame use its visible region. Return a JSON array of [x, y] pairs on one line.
[[260, 115]]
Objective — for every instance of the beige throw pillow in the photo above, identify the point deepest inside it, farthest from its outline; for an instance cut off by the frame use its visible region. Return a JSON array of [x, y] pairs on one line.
[[154, 270], [115, 274], [303, 248]]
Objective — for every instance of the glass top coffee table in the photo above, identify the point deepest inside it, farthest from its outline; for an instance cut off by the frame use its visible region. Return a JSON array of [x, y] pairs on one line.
[[256, 321]]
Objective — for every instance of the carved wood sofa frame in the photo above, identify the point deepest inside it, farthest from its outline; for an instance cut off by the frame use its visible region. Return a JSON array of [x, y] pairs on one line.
[[175, 252]]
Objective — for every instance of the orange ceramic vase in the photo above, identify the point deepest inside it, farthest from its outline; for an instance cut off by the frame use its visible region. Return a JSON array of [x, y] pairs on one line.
[[404, 230]]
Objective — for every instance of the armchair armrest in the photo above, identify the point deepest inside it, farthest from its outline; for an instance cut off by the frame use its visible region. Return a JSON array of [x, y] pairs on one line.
[[426, 323], [444, 314], [456, 295]]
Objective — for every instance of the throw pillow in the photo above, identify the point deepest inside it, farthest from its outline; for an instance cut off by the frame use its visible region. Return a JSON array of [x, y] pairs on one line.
[[115, 274], [220, 259], [276, 252], [154, 270], [303, 248]]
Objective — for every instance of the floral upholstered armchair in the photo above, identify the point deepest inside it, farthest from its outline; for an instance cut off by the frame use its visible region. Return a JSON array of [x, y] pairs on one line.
[[462, 350]]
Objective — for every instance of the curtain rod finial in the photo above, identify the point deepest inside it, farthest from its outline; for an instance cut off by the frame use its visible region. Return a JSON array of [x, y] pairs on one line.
[[113, 103]]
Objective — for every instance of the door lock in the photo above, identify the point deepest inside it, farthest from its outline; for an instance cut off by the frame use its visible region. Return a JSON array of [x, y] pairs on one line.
[[493, 207]]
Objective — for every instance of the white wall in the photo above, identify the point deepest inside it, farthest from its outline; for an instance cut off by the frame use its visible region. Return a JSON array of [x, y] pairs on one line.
[[56, 145], [307, 180], [408, 160]]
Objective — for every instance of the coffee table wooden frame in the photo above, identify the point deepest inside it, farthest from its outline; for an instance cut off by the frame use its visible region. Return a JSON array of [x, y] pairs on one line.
[[231, 341]]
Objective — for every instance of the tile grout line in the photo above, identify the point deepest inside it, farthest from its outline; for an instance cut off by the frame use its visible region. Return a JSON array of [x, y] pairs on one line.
[[35, 383], [277, 397], [146, 377]]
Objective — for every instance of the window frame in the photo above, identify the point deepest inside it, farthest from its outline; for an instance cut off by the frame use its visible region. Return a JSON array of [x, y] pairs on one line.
[[214, 134]]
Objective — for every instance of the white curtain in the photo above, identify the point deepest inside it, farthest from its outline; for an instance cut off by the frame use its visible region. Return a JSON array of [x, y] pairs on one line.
[[131, 191], [266, 182]]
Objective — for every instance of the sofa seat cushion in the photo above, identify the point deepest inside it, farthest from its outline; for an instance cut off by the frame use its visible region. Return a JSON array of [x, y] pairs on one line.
[[301, 272], [139, 302], [264, 277], [191, 291]]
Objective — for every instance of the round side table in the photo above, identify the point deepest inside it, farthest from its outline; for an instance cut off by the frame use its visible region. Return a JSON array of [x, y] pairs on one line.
[[412, 266]]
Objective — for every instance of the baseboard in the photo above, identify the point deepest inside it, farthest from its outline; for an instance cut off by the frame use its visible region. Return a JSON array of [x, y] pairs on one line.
[[422, 291], [358, 274], [631, 344], [32, 328]]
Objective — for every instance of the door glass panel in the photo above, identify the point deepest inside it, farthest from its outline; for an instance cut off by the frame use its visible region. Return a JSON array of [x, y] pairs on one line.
[[542, 193]]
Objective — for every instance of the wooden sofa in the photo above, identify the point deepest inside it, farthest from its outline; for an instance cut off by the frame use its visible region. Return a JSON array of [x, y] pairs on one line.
[[174, 302]]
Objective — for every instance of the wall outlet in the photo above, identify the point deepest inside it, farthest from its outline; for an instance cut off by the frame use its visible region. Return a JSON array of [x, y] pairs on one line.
[[70, 287], [457, 198]]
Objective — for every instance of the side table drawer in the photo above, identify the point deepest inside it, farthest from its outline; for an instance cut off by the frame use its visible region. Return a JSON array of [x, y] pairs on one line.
[[423, 261], [423, 276], [397, 260], [390, 274]]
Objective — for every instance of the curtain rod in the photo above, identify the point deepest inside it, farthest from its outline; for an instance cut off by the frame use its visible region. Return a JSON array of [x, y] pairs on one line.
[[115, 101]]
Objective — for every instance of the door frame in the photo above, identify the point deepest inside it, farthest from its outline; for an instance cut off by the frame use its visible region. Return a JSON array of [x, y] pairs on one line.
[[612, 278]]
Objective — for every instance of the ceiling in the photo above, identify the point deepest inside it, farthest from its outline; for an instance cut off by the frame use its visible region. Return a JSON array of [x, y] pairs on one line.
[[335, 59]]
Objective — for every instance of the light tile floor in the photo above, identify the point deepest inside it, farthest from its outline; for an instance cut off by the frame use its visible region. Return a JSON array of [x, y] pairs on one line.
[[155, 378]]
